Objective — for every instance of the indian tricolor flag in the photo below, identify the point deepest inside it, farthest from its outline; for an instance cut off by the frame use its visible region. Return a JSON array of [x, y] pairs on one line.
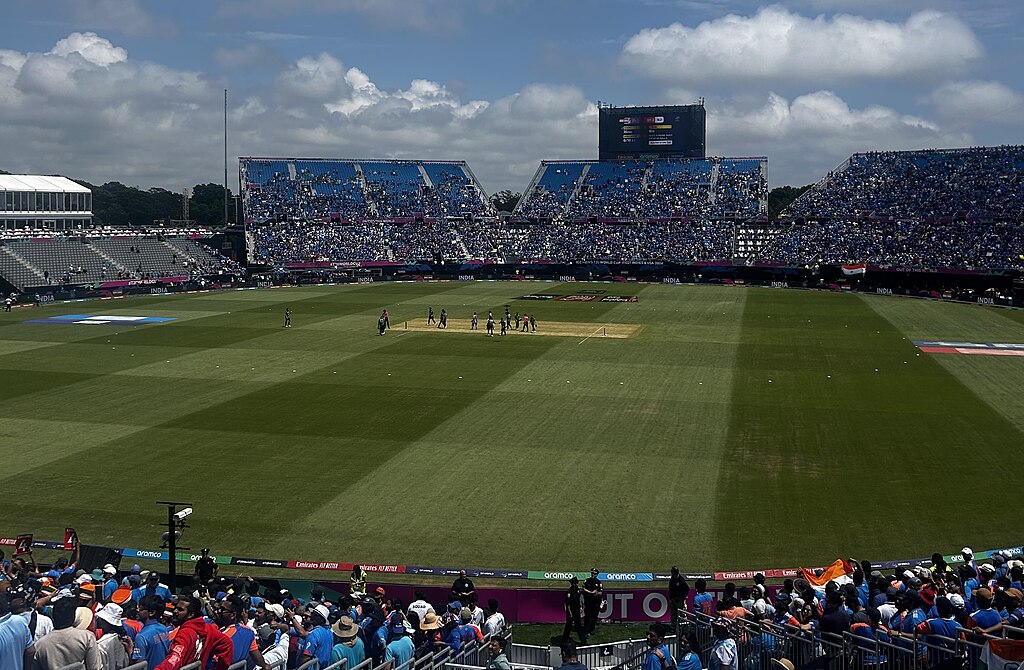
[[840, 571], [855, 269], [1002, 655]]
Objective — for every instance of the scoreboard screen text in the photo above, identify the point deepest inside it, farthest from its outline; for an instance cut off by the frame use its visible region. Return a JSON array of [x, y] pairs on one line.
[[652, 132]]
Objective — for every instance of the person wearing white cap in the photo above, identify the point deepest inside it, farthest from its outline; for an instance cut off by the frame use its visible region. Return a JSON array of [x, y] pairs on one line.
[[110, 581], [113, 643], [968, 555], [319, 639]]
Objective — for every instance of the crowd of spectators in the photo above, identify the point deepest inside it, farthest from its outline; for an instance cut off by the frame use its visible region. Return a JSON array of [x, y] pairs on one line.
[[911, 243], [961, 208], [454, 193], [710, 188], [282, 243], [929, 616], [101, 231], [603, 242], [295, 242], [491, 240], [322, 190], [982, 183], [928, 209], [107, 620]]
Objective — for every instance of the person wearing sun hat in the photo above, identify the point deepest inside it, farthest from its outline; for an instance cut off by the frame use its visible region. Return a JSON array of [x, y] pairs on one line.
[[1014, 608], [426, 636], [348, 644], [67, 644], [110, 629]]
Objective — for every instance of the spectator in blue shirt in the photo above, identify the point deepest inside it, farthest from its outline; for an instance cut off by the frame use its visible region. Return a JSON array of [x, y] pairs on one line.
[[110, 584], [400, 650], [688, 658], [62, 567], [349, 646], [658, 656], [136, 570], [569, 657], [450, 631], [152, 642], [703, 602], [152, 587], [15, 639], [319, 640]]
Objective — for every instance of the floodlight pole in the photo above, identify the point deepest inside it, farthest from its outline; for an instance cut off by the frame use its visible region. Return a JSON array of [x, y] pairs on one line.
[[225, 157], [172, 548]]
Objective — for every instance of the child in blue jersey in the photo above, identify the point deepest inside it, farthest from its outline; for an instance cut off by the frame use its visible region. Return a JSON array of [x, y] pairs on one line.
[[703, 602], [867, 636], [688, 658], [658, 656], [904, 624], [941, 632], [985, 619]]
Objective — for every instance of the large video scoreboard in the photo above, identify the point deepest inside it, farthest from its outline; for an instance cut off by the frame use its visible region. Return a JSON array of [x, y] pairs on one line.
[[674, 131]]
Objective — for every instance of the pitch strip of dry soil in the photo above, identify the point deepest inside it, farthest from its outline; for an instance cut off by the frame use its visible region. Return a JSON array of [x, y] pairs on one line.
[[550, 328]]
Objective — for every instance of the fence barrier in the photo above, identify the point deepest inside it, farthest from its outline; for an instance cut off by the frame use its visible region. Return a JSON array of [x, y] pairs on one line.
[[759, 643]]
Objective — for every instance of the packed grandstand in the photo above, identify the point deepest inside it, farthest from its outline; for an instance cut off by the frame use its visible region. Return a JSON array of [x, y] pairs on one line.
[[957, 208]]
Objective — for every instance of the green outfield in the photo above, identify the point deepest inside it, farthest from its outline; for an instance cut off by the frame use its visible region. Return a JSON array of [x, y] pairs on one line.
[[720, 427]]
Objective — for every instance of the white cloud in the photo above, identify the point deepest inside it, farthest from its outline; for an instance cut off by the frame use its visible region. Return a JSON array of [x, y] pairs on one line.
[[91, 47], [990, 101], [811, 134], [777, 44], [89, 110]]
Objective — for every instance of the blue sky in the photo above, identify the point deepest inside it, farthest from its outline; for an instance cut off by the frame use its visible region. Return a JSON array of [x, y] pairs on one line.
[[132, 90]]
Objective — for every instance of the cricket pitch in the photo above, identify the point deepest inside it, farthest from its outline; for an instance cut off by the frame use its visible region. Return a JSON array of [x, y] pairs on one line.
[[550, 329]]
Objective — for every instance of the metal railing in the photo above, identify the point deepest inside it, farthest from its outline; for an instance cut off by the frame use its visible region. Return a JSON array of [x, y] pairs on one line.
[[639, 648], [528, 655], [759, 643]]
